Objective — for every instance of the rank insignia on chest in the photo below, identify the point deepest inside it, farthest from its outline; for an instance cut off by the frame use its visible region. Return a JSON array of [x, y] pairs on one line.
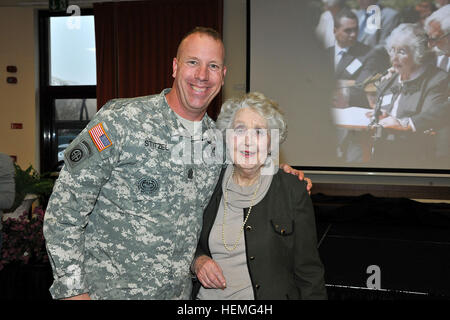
[[99, 137]]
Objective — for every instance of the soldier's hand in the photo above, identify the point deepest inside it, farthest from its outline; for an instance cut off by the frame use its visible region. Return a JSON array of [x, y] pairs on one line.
[[209, 273], [308, 185], [84, 296], [301, 176]]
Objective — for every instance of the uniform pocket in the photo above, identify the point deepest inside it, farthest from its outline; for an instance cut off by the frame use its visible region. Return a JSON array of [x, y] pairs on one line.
[[283, 227], [139, 192]]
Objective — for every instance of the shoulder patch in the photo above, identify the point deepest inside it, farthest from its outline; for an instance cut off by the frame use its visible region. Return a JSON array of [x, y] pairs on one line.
[[99, 137], [77, 154]]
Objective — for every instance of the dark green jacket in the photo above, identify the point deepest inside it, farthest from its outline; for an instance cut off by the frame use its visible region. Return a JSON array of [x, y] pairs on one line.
[[280, 240], [425, 101]]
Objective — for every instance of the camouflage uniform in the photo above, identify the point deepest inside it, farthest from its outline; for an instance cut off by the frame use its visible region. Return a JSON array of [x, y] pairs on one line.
[[123, 222]]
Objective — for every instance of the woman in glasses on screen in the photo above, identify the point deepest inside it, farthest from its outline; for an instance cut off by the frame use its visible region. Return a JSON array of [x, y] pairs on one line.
[[412, 104], [258, 239]]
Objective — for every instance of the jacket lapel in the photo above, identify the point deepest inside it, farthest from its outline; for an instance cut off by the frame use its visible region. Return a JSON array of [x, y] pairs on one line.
[[211, 210], [412, 95]]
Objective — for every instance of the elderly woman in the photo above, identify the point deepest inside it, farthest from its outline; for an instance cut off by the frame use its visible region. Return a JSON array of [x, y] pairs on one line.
[[259, 237], [412, 103]]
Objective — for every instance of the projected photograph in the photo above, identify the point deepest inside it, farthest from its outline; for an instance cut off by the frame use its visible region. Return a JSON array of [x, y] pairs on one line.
[[364, 83]]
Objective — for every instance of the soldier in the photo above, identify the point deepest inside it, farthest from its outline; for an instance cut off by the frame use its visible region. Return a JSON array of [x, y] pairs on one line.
[[125, 214]]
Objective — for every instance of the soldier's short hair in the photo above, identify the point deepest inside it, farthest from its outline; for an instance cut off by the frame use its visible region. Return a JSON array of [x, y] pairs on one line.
[[202, 30]]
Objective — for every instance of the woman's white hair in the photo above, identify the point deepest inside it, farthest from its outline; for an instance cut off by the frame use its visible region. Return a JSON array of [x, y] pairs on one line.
[[266, 108], [442, 16], [412, 36]]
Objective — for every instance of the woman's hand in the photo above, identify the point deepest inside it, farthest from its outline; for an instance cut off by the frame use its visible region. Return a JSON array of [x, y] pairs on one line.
[[390, 73], [383, 114], [209, 273], [389, 122], [393, 123], [301, 176]]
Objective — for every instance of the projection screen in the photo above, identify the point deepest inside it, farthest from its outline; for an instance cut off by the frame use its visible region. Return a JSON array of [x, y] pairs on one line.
[[289, 65]]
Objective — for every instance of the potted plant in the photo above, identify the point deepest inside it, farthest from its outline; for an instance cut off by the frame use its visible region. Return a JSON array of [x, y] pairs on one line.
[[30, 186], [25, 269], [23, 239]]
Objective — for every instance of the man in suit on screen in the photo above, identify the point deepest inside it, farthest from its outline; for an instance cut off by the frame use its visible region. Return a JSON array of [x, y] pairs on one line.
[[353, 64], [351, 59], [437, 26]]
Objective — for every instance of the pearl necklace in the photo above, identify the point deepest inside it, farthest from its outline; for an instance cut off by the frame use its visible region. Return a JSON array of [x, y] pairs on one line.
[[225, 214]]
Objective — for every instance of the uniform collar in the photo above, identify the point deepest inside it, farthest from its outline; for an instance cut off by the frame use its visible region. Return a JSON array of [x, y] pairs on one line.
[[174, 126]]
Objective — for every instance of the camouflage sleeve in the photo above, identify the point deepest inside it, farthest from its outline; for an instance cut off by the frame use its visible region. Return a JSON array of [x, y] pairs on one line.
[[88, 162]]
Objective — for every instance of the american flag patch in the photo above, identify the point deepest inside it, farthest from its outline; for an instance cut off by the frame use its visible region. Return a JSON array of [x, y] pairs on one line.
[[100, 138]]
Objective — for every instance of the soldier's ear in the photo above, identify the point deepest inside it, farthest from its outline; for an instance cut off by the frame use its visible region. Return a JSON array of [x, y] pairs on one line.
[[174, 67], [224, 74]]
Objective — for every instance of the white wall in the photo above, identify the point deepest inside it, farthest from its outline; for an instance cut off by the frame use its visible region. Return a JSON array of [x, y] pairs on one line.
[[235, 38], [18, 101]]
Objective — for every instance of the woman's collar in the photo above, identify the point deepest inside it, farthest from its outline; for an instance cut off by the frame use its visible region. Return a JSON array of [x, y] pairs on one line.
[[416, 74]]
